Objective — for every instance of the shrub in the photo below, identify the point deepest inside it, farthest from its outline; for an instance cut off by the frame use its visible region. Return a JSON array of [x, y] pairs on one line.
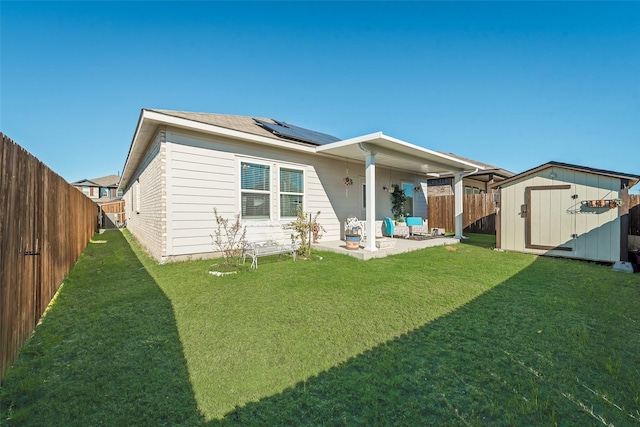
[[303, 225], [229, 239]]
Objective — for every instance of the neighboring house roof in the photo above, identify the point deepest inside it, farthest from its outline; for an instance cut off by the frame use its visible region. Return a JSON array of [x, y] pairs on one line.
[[85, 182], [105, 181], [632, 178]]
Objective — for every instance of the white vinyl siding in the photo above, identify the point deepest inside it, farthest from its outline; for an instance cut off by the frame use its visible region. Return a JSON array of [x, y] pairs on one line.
[[198, 180], [204, 172]]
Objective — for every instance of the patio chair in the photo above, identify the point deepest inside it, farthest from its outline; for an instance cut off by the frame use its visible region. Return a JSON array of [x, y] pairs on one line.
[[388, 226], [416, 225]]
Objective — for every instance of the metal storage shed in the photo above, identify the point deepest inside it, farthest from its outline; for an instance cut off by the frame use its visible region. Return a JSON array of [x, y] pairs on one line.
[[565, 210]]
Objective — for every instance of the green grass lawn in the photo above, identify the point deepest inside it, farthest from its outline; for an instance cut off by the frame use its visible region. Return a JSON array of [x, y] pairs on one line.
[[467, 336]]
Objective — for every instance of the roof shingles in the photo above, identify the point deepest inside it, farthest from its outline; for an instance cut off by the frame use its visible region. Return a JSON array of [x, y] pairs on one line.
[[245, 124]]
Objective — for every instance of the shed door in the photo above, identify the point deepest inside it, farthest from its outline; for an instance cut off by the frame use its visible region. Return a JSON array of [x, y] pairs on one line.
[[549, 224]]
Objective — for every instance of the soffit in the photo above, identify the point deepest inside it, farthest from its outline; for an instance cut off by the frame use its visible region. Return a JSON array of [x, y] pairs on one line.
[[398, 154]]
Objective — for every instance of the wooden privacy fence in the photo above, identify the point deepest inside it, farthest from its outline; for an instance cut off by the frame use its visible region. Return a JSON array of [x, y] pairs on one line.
[[45, 224], [111, 214], [634, 214], [479, 213]]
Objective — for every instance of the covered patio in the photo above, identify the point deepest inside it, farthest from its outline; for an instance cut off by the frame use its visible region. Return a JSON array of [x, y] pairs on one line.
[[380, 149], [400, 245]]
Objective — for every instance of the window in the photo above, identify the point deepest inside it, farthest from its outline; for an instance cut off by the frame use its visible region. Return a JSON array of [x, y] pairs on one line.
[[104, 192], [438, 182], [408, 201], [119, 193], [85, 190], [471, 190], [291, 191], [136, 196], [255, 191]]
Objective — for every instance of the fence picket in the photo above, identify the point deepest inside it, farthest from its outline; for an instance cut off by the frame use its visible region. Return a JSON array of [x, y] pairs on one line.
[[478, 213], [36, 205]]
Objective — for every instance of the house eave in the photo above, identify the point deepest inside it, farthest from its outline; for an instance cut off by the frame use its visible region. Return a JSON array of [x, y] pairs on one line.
[[399, 154], [150, 121]]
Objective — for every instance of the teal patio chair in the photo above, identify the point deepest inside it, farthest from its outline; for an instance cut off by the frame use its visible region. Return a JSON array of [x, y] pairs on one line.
[[389, 227]]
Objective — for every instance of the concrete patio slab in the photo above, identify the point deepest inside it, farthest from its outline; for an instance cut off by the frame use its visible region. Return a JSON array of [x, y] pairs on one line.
[[400, 245]]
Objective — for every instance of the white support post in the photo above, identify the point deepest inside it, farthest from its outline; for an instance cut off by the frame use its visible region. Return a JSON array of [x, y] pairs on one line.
[[370, 173], [458, 191]]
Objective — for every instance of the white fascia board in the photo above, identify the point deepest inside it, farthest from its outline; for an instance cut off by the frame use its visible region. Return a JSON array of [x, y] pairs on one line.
[[132, 149], [351, 141], [432, 153]]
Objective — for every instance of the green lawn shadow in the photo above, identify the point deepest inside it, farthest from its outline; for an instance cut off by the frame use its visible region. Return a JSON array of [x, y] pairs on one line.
[[534, 350], [487, 241], [115, 369], [553, 344]]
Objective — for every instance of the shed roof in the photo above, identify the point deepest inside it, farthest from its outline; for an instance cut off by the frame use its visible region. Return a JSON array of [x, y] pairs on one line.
[[632, 178]]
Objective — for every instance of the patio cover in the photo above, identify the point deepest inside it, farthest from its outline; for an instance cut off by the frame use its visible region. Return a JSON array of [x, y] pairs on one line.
[[377, 148]]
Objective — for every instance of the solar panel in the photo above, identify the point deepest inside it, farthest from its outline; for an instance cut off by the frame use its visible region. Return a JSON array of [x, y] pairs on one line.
[[287, 130]]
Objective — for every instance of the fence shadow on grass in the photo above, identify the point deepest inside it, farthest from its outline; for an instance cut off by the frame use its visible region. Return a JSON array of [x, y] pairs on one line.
[[534, 350], [125, 366], [487, 241], [552, 344]]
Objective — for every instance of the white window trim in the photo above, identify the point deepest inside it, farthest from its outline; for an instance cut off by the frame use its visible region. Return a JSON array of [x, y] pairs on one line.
[[274, 186], [279, 193], [269, 192]]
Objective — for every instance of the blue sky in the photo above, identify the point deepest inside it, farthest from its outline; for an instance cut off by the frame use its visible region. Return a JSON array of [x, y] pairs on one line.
[[510, 84]]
